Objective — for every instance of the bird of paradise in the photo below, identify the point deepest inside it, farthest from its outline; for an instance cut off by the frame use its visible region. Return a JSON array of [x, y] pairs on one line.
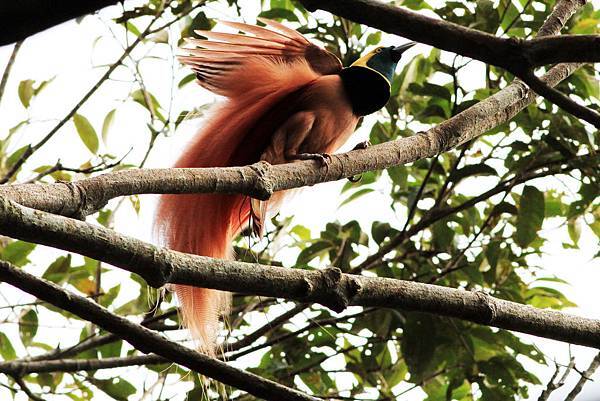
[[286, 99]]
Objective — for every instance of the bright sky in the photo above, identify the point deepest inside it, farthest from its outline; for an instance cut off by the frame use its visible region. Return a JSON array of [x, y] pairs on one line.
[[67, 53]]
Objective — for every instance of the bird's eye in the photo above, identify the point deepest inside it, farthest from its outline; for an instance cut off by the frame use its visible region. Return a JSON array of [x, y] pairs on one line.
[[378, 50]]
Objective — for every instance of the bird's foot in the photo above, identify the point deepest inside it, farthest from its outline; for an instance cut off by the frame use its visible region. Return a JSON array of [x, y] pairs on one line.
[[323, 158], [359, 146], [362, 145]]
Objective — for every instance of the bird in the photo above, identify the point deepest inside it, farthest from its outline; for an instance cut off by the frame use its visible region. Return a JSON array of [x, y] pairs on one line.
[[284, 99]]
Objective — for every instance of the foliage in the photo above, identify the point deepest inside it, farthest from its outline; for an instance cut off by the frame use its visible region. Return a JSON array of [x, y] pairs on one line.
[[453, 232]]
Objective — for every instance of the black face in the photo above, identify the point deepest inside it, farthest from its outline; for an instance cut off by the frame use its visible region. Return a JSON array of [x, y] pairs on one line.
[[368, 80], [367, 90]]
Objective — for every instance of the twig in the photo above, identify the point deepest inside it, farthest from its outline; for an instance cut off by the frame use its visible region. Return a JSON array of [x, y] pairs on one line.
[[263, 330], [19, 380], [21, 368], [553, 384], [585, 377], [6, 73]]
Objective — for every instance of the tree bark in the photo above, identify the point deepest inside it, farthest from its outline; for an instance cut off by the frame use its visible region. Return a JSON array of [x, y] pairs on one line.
[[329, 287], [24, 18]]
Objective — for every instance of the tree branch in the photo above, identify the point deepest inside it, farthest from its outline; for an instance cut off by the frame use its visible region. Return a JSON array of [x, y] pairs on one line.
[[26, 17], [9, 64], [21, 368], [328, 287], [512, 54], [516, 55], [585, 377], [260, 180], [146, 340]]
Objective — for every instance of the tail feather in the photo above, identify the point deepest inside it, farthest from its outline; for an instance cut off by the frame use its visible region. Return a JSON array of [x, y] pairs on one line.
[[205, 224]]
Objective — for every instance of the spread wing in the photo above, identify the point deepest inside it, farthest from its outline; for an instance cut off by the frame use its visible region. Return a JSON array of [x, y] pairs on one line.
[[216, 59]]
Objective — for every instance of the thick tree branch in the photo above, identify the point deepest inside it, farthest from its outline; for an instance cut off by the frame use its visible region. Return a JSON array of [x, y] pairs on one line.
[[328, 287], [260, 180], [24, 18], [516, 55], [561, 100], [513, 54], [147, 340]]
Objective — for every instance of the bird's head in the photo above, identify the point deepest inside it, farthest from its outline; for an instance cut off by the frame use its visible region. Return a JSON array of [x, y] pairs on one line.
[[368, 79]]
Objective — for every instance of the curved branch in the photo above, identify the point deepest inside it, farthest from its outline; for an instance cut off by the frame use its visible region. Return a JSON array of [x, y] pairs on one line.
[[516, 55], [260, 180], [513, 54], [328, 287]]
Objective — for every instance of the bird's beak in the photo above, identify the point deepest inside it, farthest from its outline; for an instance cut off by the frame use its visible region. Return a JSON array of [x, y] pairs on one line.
[[398, 50]]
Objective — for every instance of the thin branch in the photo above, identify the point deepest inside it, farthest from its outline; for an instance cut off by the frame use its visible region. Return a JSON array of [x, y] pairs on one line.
[[94, 341], [561, 100], [296, 333], [9, 64], [34, 397], [147, 340], [265, 329], [553, 384], [585, 377], [21, 368], [413, 207], [440, 213]]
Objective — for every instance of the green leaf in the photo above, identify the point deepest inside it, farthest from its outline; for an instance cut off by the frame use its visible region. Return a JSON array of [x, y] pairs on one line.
[[16, 155], [356, 195], [107, 124], [28, 325], [58, 270], [149, 102], [442, 235], [118, 388], [418, 344], [26, 91], [531, 215], [280, 14], [7, 351], [471, 170], [574, 229], [86, 133], [108, 298], [16, 252], [185, 80], [318, 249], [399, 175]]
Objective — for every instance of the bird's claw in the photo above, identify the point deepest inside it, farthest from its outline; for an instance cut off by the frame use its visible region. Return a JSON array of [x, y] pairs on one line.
[[359, 146], [362, 145], [323, 158]]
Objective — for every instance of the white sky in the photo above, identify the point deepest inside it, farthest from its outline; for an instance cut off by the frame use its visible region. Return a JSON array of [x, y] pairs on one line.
[[66, 52]]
